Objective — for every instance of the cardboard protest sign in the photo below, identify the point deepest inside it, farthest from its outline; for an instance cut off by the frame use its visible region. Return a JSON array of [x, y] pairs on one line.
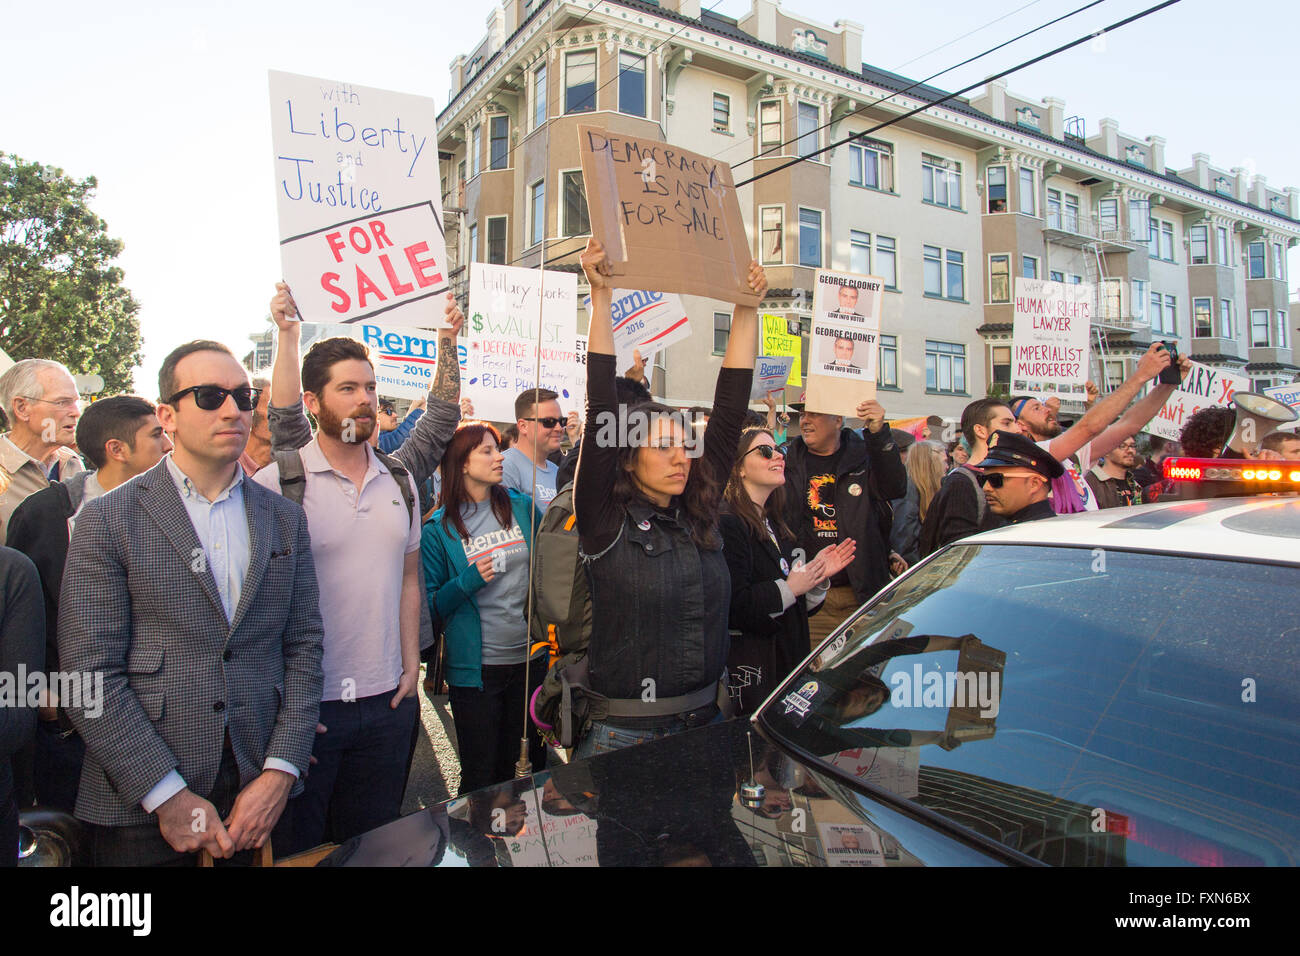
[[1204, 386], [845, 343], [404, 358], [777, 340], [668, 218], [648, 321], [511, 312], [770, 373], [1049, 342], [1286, 394], [358, 196]]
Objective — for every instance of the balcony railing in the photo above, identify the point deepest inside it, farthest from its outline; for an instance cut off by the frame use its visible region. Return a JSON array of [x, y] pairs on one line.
[[1071, 224]]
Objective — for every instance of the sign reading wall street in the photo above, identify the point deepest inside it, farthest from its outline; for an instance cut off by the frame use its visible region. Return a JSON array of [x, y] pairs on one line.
[[777, 340], [668, 218], [845, 344], [1049, 341], [357, 195]]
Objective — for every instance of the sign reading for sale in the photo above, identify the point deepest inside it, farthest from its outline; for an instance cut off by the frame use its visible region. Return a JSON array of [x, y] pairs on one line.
[[357, 193]]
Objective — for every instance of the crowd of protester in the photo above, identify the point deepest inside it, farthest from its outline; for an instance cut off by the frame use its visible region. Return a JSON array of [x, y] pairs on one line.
[[256, 569]]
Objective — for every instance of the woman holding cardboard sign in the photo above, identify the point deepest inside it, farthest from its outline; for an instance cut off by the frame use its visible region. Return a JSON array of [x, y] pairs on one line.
[[646, 498]]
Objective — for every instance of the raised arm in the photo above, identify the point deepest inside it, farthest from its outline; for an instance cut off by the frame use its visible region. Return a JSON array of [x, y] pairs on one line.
[[1142, 411], [1098, 418], [290, 428], [422, 452]]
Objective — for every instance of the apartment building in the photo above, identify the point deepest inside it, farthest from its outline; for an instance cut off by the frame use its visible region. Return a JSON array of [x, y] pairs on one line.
[[949, 205]]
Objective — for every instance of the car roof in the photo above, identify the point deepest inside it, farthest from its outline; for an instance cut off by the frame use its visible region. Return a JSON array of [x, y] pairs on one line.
[[1257, 529]]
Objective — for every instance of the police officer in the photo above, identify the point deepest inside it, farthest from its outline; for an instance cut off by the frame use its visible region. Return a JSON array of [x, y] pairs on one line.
[[1017, 476]]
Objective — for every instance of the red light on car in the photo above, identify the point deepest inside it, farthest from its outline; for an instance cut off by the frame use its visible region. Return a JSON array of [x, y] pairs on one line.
[[1185, 472]]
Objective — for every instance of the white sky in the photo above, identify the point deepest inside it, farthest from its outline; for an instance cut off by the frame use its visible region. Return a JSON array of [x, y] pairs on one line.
[[166, 104]]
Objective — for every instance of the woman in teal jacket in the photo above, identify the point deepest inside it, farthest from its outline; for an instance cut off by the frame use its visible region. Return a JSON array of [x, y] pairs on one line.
[[475, 551]]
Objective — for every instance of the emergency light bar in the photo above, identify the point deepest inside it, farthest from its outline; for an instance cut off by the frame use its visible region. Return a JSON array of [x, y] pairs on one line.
[[1255, 475]]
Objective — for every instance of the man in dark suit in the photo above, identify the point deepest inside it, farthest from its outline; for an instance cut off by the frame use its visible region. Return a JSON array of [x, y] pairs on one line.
[[192, 591]]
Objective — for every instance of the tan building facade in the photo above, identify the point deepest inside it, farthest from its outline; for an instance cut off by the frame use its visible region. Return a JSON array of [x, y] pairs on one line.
[[949, 206]]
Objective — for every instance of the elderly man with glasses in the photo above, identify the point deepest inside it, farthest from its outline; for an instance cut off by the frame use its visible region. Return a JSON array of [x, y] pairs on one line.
[[40, 400], [1112, 480]]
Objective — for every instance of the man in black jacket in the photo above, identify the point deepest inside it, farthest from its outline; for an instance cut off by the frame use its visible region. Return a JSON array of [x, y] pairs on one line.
[[839, 483]]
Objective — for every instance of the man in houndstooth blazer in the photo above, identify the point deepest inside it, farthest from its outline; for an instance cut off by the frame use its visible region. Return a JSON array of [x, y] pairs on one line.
[[208, 636]]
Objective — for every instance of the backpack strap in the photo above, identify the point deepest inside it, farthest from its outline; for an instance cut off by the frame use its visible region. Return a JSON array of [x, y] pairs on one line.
[[981, 505], [293, 476], [400, 475]]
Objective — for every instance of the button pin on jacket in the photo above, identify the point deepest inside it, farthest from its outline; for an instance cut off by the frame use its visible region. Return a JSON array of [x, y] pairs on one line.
[[855, 489], [785, 567], [644, 525]]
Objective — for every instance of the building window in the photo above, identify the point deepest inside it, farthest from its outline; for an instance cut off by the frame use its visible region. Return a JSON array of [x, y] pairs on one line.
[[1029, 267], [1002, 366], [1073, 279], [1200, 245], [1028, 205], [1282, 329], [886, 263], [1140, 301], [871, 165], [1259, 328], [721, 331], [574, 218], [1279, 268], [536, 212], [1171, 314], [773, 229], [887, 368], [769, 123], [1111, 296], [475, 149], [1000, 278], [721, 113], [473, 242], [1201, 320], [945, 273], [809, 116], [1139, 219], [859, 252], [1062, 213], [539, 96], [1227, 327], [1157, 313], [1056, 276], [1167, 241], [1108, 216], [580, 82], [631, 84], [1153, 238], [810, 237], [499, 142], [940, 181], [945, 367], [996, 181], [496, 240], [1221, 246], [1255, 258]]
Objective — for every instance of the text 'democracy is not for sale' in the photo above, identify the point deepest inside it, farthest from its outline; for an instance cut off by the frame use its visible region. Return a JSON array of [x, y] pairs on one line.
[[357, 193]]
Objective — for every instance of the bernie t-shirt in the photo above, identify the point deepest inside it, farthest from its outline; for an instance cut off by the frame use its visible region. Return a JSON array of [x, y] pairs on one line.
[[501, 601], [517, 471]]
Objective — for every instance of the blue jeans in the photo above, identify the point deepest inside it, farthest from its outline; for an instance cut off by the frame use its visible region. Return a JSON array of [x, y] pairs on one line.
[[604, 736], [357, 781]]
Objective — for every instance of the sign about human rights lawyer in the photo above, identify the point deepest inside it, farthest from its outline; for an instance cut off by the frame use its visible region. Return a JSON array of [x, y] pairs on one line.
[[668, 218], [1203, 386], [405, 358], [513, 311], [1049, 340], [357, 193], [648, 321], [845, 342]]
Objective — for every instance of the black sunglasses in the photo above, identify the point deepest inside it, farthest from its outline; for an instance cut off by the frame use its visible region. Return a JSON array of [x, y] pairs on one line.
[[548, 422], [767, 451], [995, 479], [211, 397]]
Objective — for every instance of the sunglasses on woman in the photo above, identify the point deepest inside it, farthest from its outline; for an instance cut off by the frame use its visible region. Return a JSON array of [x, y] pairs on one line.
[[211, 397], [767, 451]]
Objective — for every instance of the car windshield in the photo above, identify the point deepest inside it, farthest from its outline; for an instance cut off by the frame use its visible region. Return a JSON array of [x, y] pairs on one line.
[[1079, 706]]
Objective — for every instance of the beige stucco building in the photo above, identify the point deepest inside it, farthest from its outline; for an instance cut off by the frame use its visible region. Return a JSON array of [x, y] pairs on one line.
[[949, 205]]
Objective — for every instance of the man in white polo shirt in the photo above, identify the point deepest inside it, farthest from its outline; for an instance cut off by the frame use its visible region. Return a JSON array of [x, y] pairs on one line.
[[365, 542]]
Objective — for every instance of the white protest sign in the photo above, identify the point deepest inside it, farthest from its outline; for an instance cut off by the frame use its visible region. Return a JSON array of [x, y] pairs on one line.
[[770, 373], [404, 358], [508, 308], [1049, 343], [357, 192], [851, 844], [845, 342], [1203, 386], [1286, 394], [648, 321]]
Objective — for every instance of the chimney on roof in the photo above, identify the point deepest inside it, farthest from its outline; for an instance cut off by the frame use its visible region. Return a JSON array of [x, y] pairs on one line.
[[996, 92], [1055, 126], [689, 8], [1201, 169], [1293, 201], [1239, 183], [496, 29], [457, 78], [764, 13], [852, 33], [511, 22], [1156, 154], [1259, 192], [1109, 137]]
